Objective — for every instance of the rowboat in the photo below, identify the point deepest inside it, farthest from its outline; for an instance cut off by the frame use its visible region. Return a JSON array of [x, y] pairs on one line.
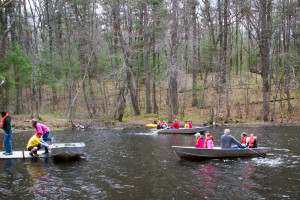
[[187, 152], [183, 130], [151, 125], [67, 150]]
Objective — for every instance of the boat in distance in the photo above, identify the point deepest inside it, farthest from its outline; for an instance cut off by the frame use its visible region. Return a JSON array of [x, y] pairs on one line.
[[67, 150], [183, 130], [188, 152], [151, 125]]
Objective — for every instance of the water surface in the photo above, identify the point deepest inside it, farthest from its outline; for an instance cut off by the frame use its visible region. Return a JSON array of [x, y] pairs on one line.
[[121, 165]]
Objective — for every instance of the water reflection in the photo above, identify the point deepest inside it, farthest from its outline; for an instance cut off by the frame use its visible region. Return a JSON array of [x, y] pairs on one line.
[[207, 183], [8, 167], [248, 172], [38, 171]]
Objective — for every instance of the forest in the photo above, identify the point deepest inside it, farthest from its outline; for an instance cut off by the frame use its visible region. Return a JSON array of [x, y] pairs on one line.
[[218, 60]]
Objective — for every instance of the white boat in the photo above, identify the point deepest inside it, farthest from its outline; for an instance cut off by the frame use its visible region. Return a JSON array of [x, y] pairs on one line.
[[67, 150], [217, 152]]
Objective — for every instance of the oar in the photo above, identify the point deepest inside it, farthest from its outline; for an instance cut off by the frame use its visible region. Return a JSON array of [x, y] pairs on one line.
[[256, 152]]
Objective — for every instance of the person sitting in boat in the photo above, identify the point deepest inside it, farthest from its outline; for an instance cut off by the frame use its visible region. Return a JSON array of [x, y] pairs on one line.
[[164, 125], [199, 141], [175, 125], [252, 141], [244, 139], [227, 140], [209, 142], [159, 125], [190, 124], [35, 143], [186, 124]]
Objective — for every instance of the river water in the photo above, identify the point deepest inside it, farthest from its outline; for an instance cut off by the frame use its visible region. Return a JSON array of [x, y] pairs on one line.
[[120, 165]]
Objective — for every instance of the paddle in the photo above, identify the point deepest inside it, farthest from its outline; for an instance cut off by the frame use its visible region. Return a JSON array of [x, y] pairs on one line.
[[256, 152]]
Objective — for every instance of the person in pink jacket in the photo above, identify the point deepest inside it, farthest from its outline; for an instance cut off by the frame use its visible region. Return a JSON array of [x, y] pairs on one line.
[[199, 141], [209, 142], [43, 129]]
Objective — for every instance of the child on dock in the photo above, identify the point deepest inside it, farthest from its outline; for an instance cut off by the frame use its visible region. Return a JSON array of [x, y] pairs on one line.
[[35, 143]]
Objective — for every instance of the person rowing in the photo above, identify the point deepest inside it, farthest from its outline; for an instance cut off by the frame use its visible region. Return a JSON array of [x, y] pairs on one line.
[[227, 140]]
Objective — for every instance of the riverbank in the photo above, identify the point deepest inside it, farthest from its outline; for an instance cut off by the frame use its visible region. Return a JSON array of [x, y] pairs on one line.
[[22, 122]]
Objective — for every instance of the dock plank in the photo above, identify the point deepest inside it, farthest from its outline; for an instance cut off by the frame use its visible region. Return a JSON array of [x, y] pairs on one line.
[[19, 154]]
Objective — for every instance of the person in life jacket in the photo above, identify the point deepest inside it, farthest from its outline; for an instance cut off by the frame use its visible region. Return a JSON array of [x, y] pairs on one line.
[[186, 124], [244, 139], [6, 126], [164, 125], [252, 141], [190, 124], [158, 125], [199, 141], [209, 142]]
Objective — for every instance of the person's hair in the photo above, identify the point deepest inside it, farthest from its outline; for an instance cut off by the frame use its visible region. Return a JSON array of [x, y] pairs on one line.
[[34, 122], [175, 119], [207, 134], [251, 135], [227, 131], [3, 113], [244, 134]]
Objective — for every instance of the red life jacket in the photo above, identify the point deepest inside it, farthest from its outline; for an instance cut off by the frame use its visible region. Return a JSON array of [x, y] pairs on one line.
[[208, 138], [197, 141], [244, 139], [251, 141], [159, 124]]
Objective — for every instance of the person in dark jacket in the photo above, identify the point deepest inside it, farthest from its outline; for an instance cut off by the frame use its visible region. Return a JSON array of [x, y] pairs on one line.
[[6, 126], [227, 140]]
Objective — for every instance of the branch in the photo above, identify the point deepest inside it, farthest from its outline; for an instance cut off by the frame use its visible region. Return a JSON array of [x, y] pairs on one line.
[[5, 3]]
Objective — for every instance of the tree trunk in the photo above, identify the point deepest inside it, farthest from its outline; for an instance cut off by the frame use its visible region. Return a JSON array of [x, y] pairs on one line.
[[195, 64], [146, 59], [48, 6], [265, 25], [126, 55]]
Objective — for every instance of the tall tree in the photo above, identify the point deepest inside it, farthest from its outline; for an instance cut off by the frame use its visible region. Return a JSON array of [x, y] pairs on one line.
[[146, 57]]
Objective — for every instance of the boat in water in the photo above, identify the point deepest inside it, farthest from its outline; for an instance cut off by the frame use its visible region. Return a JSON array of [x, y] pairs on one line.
[[67, 150], [183, 130], [151, 125], [188, 152]]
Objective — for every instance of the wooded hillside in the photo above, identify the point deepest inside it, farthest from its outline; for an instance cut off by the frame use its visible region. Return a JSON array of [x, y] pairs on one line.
[[106, 59]]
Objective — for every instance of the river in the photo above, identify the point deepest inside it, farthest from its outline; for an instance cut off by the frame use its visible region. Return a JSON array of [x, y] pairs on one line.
[[119, 165]]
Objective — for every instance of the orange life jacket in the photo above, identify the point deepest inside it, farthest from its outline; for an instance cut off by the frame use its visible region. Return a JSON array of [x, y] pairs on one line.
[[208, 138], [244, 139], [3, 119], [251, 141], [197, 141]]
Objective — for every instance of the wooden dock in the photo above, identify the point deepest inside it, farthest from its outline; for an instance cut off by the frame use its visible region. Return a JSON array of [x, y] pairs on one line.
[[21, 154]]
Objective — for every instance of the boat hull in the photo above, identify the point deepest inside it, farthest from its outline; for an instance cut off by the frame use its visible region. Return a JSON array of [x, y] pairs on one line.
[[183, 130], [151, 126], [192, 152], [67, 150]]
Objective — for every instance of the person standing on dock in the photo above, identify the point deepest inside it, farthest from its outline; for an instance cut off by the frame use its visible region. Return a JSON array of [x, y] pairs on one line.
[[6, 125], [43, 129], [227, 140]]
